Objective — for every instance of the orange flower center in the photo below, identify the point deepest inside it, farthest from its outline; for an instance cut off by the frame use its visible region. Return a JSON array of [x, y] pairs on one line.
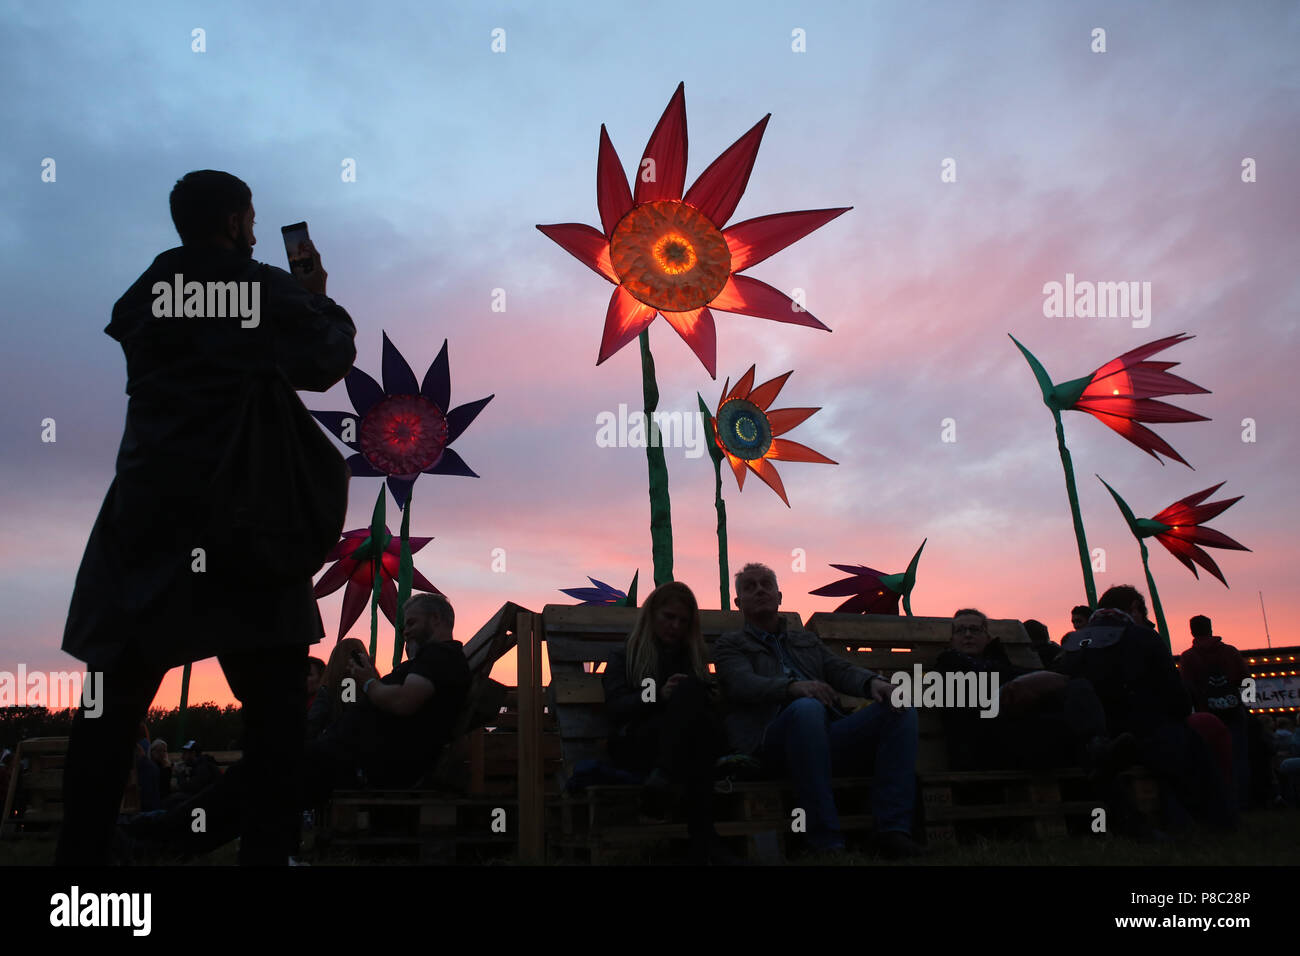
[[669, 256]]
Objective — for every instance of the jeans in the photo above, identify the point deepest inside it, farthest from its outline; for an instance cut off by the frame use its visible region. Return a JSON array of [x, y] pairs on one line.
[[805, 744]]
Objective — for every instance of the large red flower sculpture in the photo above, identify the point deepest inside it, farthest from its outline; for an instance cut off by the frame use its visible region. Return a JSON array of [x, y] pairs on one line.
[[354, 556], [1179, 528], [747, 432], [667, 251], [403, 429], [1123, 392], [1184, 530]]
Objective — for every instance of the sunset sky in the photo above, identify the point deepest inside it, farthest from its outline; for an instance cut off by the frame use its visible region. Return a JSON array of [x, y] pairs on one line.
[[1125, 165]]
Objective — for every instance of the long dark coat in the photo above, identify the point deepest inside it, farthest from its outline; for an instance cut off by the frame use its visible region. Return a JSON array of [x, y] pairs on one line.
[[138, 584]]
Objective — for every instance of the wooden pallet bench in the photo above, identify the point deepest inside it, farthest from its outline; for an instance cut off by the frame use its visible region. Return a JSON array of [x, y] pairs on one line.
[[603, 822]]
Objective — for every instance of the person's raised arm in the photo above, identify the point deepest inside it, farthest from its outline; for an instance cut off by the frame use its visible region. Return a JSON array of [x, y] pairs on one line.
[[313, 335]]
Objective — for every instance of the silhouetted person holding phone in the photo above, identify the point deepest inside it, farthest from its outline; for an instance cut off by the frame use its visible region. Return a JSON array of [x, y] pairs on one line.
[[145, 599]]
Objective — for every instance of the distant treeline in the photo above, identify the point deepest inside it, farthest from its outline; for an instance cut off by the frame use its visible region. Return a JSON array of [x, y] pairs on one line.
[[215, 728]]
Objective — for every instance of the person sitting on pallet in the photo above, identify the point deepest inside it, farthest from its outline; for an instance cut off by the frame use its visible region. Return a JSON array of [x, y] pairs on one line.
[[332, 699], [660, 699], [1130, 667], [782, 687], [406, 718], [1043, 718]]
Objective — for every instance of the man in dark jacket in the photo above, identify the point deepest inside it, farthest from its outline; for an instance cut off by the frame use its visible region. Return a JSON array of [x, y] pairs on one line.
[[146, 599], [783, 689], [1213, 673], [1133, 673]]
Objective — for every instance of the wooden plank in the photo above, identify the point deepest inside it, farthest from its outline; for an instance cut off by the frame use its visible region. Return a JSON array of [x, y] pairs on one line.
[[531, 793], [577, 689]]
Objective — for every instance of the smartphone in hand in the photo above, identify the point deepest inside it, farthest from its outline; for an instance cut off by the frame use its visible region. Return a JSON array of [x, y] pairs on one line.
[[298, 246]]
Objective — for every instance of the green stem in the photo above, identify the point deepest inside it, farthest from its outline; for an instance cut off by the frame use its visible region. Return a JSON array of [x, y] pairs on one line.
[[724, 583], [661, 522], [907, 604], [376, 558], [185, 700], [1155, 597], [1084, 560], [405, 572]]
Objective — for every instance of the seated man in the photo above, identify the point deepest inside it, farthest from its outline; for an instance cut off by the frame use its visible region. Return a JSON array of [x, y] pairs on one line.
[[407, 717], [1130, 667], [391, 739], [1043, 719], [783, 689]]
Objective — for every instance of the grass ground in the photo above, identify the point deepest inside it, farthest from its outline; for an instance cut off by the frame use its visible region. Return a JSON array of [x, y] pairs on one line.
[[1265, 837]]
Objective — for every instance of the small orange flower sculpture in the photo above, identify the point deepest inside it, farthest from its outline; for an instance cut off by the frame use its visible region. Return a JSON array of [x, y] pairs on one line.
[[667, 251], [747, 432]]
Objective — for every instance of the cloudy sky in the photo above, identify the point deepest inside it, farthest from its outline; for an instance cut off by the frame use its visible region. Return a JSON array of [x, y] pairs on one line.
[[1123, 165]]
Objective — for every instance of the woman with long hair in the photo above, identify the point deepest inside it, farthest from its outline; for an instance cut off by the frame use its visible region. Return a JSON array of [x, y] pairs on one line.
[[660, 698], [329, 703]]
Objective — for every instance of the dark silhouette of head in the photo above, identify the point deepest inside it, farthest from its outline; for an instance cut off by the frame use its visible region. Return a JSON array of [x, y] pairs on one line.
[[210, 207], [1037, 632], [1126, 598], [1079, 615], [1201, 626]]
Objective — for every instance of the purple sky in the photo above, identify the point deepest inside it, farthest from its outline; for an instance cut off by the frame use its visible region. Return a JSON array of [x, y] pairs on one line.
[[1116, 166]]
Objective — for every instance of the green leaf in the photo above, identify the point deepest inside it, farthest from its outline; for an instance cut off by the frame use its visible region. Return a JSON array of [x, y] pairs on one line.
[[1040, 373]]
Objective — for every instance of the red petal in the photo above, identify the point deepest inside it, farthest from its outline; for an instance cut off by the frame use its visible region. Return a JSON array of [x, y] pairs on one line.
[[420, 583], [612, 193], [626, 319], [1139, 435], [737, 468], [725, 385], [783, 450], [744, 385], [783, 420], [748, 296], [765, 394], [720, 187], [697, 328], [1136, 355], [767, 471], [754, 240], [667, 147], [354, 602], [1182, 513], [585, 244], [334, 578], [1214, 539], [1139, 409]]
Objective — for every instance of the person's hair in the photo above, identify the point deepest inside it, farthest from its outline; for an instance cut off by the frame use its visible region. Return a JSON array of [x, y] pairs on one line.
[[336, 671], [203, 200], [1201, 626], [1081, 609], [984, 618], [315, 664], [435, 605], [752, 569], [643, 649], [1121, 598], [157, 745], [1037, 632]]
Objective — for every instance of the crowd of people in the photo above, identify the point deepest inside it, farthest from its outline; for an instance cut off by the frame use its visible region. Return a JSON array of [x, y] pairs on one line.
[[1107, 698]]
